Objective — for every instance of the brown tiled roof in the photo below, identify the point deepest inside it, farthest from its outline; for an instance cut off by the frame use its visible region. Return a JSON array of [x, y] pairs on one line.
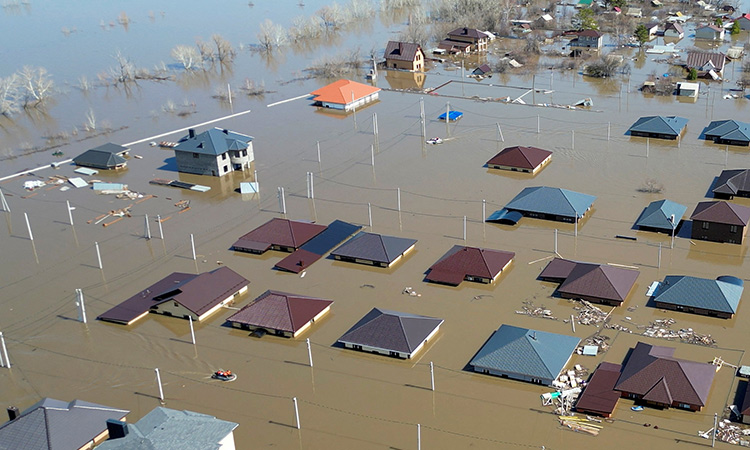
[[468, 32], [589, 33], [401, 51], [745, 407], [461, 261], [652, 371], [699, 59], [599, 281], [721, 212], [280, 311], [450, 44], [521, 157], [599, 395], [558, 268], [284, 232]]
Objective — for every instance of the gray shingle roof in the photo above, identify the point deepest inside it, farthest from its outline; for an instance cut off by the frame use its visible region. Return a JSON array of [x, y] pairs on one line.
[[657, 215], [280, 311], [374, 247], [56, 425], [714, 295], [99, 159], [548, 200], [169, 429], [214, 142], [522, 351], [669, 125], [732, 181], [391, 330]]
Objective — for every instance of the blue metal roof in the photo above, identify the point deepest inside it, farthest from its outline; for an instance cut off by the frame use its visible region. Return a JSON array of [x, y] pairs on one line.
[[670, 125], [658, 213], [548, 200], [537, 354], [713, 295], [452, 115], [728, 130], [503, 215]]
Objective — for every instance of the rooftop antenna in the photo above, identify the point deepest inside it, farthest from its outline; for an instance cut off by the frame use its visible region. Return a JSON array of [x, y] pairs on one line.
[[533, 335]]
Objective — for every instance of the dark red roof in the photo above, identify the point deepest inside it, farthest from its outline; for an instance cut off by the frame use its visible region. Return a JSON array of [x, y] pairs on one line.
[[462, 261], [721, 212], [283, 232], [558, 269], [521, 157], [599, 395], [280, 311], [599, 281], [468, 32], [402, 51]]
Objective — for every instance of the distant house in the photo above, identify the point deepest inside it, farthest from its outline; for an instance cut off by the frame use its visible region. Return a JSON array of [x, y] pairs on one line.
[[277, 234], [280, 313], [214, 152], [719, 221], [170, 429], [547, 203], [652, 28], [717, 298], [404, 55], [374, 249], [345, 95], [687, 89], [56, 425], [107, 157], [744, 21], [391, 333], [526, 355], [586, 39], [597, 283], [709, 31], [634, 12], [470, 264], [731, 183], [728, 132], [661, 216], [599, 397], [183, 295], [660, 127], [707, 63], [673, 30], [465, 40], [652, 376], [521, 159], [482, 71]]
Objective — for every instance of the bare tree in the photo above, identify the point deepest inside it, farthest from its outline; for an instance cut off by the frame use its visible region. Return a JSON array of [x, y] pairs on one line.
[[124, 71], [205, 50], [186, 55], [90, 124], [9, 95], [224, 50], [37, 86], [271, 35], [417, 33]]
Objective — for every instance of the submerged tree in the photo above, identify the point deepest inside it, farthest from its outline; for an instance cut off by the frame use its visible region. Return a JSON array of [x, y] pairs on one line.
[[188, 56], [224, 50], [271, 35], [37, 86], [9, 95], [641, 33]]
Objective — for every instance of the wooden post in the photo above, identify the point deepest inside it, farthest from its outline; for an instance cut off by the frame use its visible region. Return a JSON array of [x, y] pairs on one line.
[[372, 155], [309, 352], [98, 255], [158, 381], [573, 322], [713, 435], [484, 210], [5, 350], [296, 408], [192, 330], [192, 245], [70, 212], [28, 226], [312, 186], [576, 219], [419, 437], [229, 94]]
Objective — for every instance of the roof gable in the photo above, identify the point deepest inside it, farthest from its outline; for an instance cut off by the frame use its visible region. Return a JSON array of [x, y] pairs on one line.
[[343, 92], [204, 291], [99, 159], [721, 212], [659, 393], [282, 232], [468, 32], [600, 281], [391, 330], [732, 181], [550, 200], [461, 261], [521, 157], [657, 215]]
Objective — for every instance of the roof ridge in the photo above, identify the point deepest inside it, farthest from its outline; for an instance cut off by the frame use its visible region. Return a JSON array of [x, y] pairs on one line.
[[528, 339], [601, 267], [291, 232], [46, 428], [731, 208], [484, 260], [289, 310], [382, 244], [565, 196], [403, 332], [690, 381]]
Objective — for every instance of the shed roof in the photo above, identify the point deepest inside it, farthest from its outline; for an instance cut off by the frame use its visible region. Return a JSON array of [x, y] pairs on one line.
[[99, 159], [374, 247], [277, 231], [658, 215], [523, 351], [343, 92], [521, 157], [651, 371], [728, 130], [280, 311], [462, 261], [704, 293], [548, 200], [599, 394], [721, 212], [57, 425], [169, 429], [402, 51], [669, 125], [391, 330], [215, 141], [732, 181]]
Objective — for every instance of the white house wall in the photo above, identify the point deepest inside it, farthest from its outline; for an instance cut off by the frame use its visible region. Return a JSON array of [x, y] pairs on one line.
[[227, 443]]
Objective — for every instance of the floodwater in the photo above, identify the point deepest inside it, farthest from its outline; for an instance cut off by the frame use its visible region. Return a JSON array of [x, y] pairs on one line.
[[351, 399]]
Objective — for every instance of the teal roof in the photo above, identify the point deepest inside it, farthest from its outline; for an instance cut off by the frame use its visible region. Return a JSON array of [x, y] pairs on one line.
[[214, 142], [713, 295], [522, 351], [669, 125], [548, 200], [657, 215], [730, 130]]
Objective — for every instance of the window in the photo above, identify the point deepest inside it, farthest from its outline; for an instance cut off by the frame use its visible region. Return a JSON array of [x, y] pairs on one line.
[[223, 156], [704, 225], [196, 155], [226, 169], [733, 228]]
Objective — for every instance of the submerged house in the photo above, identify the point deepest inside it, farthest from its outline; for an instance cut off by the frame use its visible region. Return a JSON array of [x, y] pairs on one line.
[[471, 264], [653, 376], [707, 63], [277, 234], [716, 298], [661, 216], [709, 31], [547, 203], [465, 40], [599, 397], [404, 56], [106, 157], [586, 39], [673, 30], [731, 183], [170, 429], [597, 283], [314, 249], [280, 313], [184, 295], [521, 159], [54, 424], [728, 132], [391, 333], [373, 249], [345, 95], [660, 127], [526, 355], [215, 152], [720, 221]]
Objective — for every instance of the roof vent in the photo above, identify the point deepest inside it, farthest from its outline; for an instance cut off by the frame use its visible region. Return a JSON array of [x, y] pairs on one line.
[[225, 131], [117, 429], [13, 412], [533, 335], [191, 133]]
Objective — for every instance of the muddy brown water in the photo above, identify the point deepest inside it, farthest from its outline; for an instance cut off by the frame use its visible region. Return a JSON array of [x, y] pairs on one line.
[[351, 399]]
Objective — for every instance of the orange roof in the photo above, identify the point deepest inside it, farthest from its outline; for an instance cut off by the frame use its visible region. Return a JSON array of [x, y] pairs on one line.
[[341, 92]]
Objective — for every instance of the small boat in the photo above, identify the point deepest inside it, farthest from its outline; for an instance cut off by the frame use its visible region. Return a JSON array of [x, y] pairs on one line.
[[637, 408], [434, 141], [224, 375]]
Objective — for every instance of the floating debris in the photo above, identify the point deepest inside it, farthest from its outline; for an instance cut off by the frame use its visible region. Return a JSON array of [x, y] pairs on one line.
[[660, 328], [589, 314], [581, 424], [541, 312], [367, 286], [596, 340], [411, 292], [729, 432]]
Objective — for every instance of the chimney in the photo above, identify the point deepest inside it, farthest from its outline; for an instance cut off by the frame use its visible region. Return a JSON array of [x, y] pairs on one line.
[[13, 412], [225, 131], [466, 30], [400, 48], [117, 429], [191, 133]]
